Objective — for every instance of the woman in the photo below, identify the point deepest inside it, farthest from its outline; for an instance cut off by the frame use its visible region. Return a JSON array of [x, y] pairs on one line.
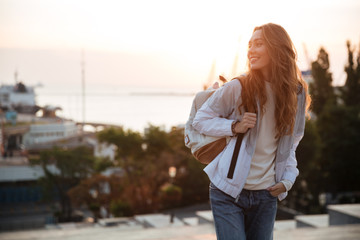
[[269, 105]]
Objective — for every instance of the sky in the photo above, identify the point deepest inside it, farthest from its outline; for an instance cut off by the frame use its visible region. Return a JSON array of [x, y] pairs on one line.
[[161, 43]]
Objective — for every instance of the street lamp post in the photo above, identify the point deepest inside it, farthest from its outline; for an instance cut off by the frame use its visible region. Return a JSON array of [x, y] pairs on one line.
[[172, 174], [94, 207]]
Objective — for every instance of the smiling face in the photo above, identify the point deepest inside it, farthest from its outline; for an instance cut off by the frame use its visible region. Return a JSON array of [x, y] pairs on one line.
[[258, 56]]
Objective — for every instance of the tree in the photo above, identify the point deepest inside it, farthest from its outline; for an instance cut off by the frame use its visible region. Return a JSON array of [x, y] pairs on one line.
[[304, 194], [98, 191], [129, 151], [156, 140], [351, 89], [321, 89], [191, 178], [144, 160], [339, 127], [147, 163], [69, 167], [338, 124]]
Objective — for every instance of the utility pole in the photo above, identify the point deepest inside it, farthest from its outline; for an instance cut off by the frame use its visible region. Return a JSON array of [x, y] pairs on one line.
[[16, 74], [83, 88]]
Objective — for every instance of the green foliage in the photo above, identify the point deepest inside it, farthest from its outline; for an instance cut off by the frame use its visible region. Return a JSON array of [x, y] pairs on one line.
[[101, 164], [170, 195], [303, 195], [191, 178], [97, 191], [130, 154], [156, 140], [69, 167], [72, 164], [339, 128], [351, 90], [121, 208], [171, 190], [308, 152], [328, 155], [147, 162], [94, 207], [321, 90], [331, 164], [128, 142]]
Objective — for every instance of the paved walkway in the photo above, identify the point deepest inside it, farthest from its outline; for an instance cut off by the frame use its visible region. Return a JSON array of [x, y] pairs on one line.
[[201, 232]]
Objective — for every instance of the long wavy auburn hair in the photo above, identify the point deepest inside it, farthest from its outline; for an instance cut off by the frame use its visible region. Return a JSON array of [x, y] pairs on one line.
[[285, 78]]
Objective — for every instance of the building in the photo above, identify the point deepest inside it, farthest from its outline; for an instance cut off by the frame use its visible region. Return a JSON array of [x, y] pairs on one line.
[[18, 97], [49, 132]]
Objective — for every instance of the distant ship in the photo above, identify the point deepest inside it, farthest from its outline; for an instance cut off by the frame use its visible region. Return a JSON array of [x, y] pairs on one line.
[[18, 97]]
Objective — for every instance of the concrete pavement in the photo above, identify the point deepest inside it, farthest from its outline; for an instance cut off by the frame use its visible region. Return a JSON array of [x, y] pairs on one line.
[[158, 227], [200, 232]]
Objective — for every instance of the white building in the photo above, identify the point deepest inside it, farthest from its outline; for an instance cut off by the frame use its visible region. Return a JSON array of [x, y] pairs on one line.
[[103, 150], [23, 173], [43, 133], [18, 97]]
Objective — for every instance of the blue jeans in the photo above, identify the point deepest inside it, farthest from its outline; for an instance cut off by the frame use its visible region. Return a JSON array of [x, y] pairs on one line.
[[251, 216]]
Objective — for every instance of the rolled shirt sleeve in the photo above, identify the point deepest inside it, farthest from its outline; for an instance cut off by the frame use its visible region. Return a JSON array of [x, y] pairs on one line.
[[212, 118]]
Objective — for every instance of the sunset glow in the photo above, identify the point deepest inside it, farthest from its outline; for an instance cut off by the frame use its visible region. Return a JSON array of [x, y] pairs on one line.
[[192, 34]]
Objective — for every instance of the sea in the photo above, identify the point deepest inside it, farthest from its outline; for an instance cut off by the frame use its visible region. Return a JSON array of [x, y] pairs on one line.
[[133, 108]]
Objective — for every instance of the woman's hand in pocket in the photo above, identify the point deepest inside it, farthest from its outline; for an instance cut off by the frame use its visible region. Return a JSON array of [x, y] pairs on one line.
[[277, 189]]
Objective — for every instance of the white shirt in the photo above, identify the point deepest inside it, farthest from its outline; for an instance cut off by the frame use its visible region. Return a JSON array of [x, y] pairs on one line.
[[262, 168]]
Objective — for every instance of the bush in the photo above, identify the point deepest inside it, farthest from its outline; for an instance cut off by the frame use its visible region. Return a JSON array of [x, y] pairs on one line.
[[170, 195], [120, 208], [170, 190]]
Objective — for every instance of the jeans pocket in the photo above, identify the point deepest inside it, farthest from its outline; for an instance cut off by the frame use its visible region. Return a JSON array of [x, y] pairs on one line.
[[269, 195], [212, 186]]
